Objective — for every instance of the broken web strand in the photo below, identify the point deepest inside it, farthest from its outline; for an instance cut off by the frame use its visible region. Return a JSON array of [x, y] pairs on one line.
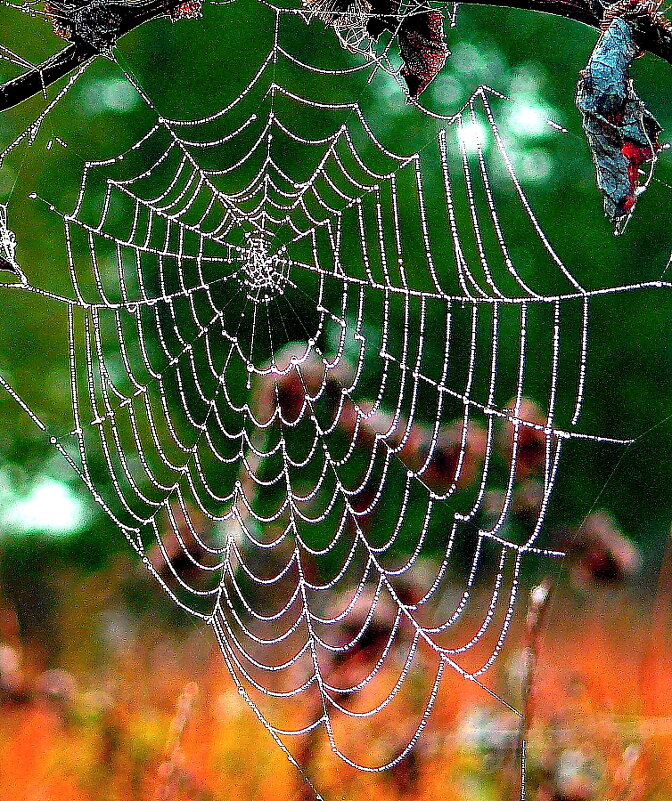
[[7, 54], [276, 208], [27, 137]]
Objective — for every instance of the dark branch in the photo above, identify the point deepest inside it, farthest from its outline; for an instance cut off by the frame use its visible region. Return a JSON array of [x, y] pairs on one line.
[[31, 83], [579, 10], [652, 33], [131, 14]]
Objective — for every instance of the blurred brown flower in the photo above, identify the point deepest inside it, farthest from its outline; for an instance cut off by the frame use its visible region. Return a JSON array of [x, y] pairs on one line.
[[445, 466], [299, 371], [533, 440], [438, 460], [600, 551]]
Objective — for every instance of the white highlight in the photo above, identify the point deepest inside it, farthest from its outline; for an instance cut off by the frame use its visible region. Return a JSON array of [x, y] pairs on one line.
[[529, 119], [474, 136], [109, 94], [51, 507]]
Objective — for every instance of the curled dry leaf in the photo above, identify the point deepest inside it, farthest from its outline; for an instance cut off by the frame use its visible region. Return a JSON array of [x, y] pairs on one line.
[[421, 44], [419, 34], [622, 132]]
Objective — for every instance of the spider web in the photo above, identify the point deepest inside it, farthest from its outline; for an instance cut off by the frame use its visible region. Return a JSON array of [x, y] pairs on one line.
[[296, 358]]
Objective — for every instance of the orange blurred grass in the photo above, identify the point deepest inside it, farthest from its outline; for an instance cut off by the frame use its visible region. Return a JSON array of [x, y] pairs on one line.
[[154, 716]]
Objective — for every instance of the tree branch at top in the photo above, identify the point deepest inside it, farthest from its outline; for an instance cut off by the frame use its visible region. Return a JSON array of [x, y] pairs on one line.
[[652, 33]]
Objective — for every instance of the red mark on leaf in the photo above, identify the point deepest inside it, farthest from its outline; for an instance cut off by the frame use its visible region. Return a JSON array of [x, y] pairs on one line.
[[636, 156], [190, 9]]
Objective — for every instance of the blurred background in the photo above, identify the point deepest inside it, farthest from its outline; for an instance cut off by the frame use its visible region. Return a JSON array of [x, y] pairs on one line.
[[107, 691]]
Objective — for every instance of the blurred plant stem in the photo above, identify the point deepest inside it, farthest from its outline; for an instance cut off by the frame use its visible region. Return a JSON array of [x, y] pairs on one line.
[[171, 774], [536, 613], [654, 650]]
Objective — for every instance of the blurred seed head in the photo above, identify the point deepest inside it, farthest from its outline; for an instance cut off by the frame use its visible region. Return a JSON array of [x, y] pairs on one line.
[[577, 776], [533, 441], [59, 689], [12, 679], [297, 372], [600, 552]]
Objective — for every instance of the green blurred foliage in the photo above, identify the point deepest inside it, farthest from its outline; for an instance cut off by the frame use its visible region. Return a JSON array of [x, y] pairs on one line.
[[193, 68]]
